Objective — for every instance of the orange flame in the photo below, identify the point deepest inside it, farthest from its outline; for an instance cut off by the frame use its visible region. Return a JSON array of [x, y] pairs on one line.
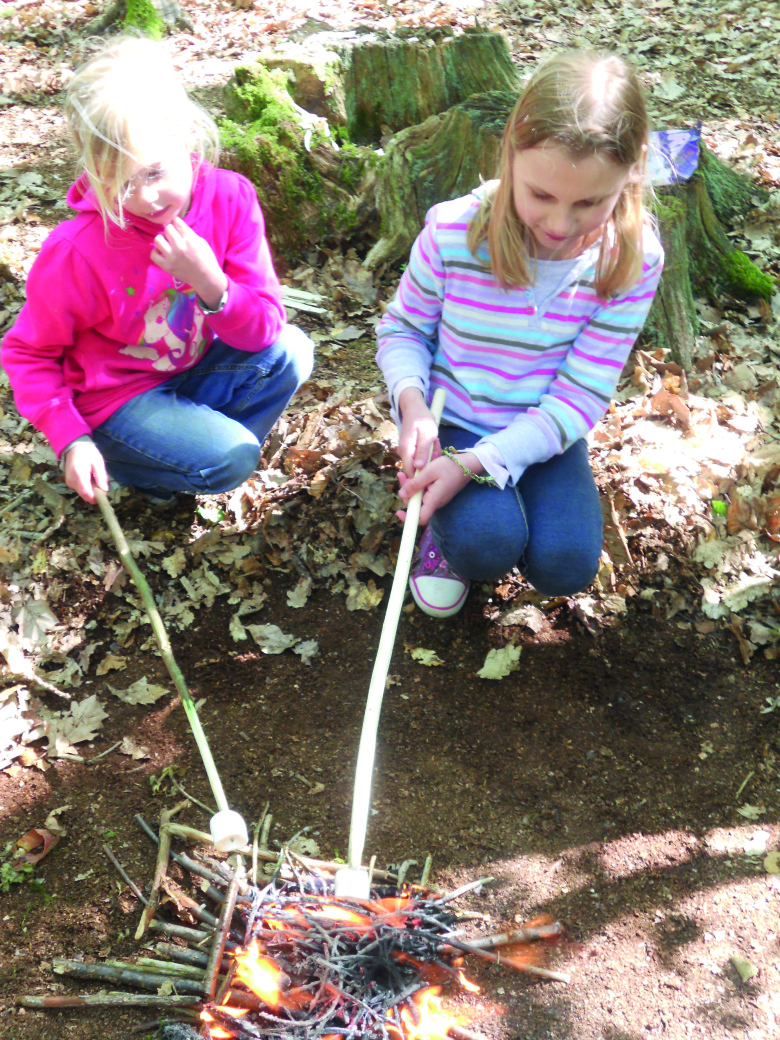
[[428, 1021], [265, 978], [467, 984], [216, 1031], [340, 913]]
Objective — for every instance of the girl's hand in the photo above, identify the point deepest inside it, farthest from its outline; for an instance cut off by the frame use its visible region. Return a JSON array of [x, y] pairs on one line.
[[418, 438], [439, 481], [188, 257], [85, 470]]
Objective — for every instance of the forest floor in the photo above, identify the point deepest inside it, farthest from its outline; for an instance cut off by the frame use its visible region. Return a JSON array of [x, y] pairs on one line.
[[624, 778]]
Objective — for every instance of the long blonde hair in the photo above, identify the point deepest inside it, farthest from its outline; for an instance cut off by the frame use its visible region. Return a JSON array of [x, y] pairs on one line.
[[129, 88], [589, 104]]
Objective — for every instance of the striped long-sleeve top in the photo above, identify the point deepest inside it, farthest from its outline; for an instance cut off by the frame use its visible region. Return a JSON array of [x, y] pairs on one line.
[[530, 370]]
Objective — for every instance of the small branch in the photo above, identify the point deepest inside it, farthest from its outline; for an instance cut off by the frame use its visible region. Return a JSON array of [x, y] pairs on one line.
[[161, 869], [448, 898], [128, 976], [31, 676], [108, 1000], [220, 936], [121, 871], [194, 936], [522, 935]]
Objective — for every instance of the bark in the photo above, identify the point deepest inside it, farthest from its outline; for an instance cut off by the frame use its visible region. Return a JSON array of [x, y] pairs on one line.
[[379, 82]]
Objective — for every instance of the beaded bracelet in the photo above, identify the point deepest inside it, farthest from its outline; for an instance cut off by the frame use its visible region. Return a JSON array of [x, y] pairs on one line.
[[480, 478]]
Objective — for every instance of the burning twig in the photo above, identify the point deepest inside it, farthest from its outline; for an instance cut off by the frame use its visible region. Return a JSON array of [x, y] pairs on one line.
[[553, 930]]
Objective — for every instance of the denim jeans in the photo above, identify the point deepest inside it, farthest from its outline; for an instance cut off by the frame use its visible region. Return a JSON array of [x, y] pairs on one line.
[[549, 526], [201, 431]]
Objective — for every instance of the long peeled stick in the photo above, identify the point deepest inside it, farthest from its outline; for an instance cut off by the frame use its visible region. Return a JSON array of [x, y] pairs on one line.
[[227, 828], [353, 880]]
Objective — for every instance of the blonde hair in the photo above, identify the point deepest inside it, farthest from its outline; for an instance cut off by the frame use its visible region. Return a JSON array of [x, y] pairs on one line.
[[589, 104], [130, 90]]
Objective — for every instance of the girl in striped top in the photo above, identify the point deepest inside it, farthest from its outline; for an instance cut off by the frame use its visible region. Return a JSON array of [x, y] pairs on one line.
[[523, 301]]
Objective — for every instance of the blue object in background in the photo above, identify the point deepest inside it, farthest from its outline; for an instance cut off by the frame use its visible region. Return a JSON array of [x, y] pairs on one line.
[[672, 155]]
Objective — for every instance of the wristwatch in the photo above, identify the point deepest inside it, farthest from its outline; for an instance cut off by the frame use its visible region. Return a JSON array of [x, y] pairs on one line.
[[214, 310]]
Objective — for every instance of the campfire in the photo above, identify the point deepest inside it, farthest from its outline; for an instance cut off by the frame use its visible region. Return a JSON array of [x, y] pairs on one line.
[[325, 968], [289, 960]]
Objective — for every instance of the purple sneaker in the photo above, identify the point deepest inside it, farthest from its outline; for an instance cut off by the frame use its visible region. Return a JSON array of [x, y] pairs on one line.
[[437, 589]]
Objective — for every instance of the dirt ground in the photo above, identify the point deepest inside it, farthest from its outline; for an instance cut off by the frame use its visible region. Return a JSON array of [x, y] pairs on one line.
[[626, 783], [599, 783]]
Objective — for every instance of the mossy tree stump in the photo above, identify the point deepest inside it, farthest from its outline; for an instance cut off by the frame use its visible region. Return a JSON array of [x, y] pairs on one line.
[[444, 157], [375, 83], [700, 260]]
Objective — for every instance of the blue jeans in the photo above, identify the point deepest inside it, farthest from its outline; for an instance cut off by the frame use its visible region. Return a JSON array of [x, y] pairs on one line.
[[549, 526], [201, 431]]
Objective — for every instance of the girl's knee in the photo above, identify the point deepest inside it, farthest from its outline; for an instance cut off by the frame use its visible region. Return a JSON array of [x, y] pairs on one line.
[[480, 559], [563, 573], [235, 464], [296, 353]]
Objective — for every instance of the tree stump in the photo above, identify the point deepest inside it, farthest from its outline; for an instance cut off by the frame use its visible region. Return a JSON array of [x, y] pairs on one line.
[[375, 83], [444, 157], [700, 259]]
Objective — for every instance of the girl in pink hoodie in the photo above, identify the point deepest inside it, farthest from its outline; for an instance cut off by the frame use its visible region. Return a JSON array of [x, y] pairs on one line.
[[153, 347]]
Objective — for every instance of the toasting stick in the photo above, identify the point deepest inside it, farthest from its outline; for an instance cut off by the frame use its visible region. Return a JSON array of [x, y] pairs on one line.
[[353, 880], [228, 829]]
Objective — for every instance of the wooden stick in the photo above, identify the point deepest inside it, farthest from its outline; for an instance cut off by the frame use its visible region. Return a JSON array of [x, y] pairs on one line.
[[522, 935], [179, 830], [220, 936], [496, 958], [141, 979], [181, 931], [108, 1000], [160, 634], [161, 869], [361, 799], [121, 871]]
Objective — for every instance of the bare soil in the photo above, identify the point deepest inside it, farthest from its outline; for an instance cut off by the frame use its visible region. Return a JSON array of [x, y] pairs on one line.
[[599, 783]]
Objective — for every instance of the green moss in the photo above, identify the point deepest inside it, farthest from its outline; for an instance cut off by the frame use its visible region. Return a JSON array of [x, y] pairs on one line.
[[256, 92], [352, 166], [667, 210], [142, 16], [743, 279], [732, 196]]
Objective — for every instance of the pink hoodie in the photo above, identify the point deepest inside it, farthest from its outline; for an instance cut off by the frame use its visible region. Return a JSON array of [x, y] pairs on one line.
[[102, 323]]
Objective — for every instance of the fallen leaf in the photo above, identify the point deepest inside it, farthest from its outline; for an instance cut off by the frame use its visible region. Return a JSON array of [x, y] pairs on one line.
[[364, 597], [135, 751], [36, 838], [499, 663], [111, 662], [270, 638], [140, 692], [427, 657], [298, 596]]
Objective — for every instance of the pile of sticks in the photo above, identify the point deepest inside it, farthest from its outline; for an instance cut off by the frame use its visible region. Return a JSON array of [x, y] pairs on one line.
[[345, 973]]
